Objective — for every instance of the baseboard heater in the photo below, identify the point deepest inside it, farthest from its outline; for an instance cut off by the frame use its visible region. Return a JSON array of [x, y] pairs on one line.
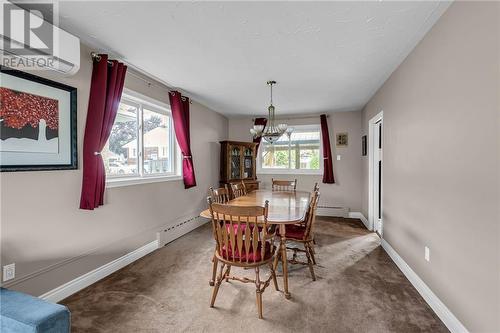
[[332, 211], [177, 230]]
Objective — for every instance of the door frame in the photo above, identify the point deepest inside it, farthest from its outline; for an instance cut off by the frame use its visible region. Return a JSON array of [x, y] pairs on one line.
[[371, 169]]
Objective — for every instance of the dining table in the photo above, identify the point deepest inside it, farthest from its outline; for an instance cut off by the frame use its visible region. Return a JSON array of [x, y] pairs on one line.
[[285, 208]]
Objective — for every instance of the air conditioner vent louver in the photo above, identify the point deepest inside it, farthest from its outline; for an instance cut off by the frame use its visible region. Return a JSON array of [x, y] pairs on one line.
[[177, 230]]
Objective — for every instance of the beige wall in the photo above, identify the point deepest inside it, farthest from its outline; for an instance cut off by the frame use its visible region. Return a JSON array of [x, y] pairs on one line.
[[441, 161], [42, 229], [346, 192]]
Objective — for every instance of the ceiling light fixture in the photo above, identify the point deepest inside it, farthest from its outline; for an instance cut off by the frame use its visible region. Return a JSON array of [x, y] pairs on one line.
[[272, 132]]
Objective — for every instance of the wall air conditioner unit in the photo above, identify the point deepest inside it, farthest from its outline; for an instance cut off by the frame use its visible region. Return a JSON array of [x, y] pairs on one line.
[[63, 58]]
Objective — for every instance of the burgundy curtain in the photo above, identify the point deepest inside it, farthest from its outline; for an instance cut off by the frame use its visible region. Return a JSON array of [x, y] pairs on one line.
[[259, 121], [105, 92], [327, 153], [180, 115]]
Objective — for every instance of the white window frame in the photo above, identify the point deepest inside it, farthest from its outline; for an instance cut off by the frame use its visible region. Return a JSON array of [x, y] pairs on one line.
[[287, 171], [141, 101]]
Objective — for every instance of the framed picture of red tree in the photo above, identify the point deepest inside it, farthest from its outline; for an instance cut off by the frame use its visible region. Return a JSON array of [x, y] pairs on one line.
[[37, 123]]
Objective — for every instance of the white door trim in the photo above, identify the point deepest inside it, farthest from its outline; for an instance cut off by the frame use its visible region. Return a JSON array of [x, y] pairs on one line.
[[371, 166]]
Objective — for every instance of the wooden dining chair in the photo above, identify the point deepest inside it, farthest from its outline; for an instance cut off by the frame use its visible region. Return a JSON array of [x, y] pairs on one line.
[[239, 189], [315, 189], [303, 222], [243, 239], [304, 235], [284, 185], [220, 195]]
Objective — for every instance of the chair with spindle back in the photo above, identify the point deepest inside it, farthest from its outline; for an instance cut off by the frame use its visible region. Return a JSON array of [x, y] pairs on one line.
[[315, 189], [303, 223], [238, 189], [305, 235], [243, 239], [284, 185], [220, 195]]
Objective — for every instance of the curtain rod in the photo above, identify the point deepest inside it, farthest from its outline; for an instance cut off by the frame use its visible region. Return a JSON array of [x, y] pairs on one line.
[[163, 85]]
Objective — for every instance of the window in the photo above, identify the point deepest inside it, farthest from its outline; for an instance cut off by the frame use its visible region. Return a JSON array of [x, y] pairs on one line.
[[301, 153], [142, 142]]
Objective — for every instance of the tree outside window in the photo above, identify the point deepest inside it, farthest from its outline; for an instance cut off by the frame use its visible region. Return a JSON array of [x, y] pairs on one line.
[[299, 152]]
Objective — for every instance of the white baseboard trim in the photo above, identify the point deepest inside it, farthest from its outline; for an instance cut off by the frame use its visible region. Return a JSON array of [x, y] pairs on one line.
[[57, 294], [358, 215], [451, 322]]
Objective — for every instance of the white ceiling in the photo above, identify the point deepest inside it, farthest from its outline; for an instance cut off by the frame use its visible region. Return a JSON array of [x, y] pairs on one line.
[[326, 56]]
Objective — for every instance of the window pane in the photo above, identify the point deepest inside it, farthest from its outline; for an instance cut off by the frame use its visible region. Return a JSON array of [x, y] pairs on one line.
[[275, 156], [309, 158], [301, 151], [120, 152], [156, 141], [306, 146]]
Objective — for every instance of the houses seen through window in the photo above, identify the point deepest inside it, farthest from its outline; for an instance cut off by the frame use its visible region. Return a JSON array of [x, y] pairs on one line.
[[141, 142], [156, 142]]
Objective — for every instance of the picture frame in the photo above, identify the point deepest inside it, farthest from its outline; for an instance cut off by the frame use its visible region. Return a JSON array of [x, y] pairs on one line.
[[363, 146], [341, 140], [38, 123]]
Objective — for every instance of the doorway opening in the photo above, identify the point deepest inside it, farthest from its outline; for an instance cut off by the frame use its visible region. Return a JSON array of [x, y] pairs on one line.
[[375, 141]]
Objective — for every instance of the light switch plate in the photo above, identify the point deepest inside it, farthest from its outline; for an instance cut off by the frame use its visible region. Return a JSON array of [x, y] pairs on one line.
[[427, 254], [9, 272], [338, 157]]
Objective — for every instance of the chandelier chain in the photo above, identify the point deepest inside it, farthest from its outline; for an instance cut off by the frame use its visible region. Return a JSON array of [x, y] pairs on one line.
[[271, 93]]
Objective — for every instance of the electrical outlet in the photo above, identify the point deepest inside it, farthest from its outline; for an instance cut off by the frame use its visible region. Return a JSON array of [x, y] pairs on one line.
[[9, 272], [427, 254]]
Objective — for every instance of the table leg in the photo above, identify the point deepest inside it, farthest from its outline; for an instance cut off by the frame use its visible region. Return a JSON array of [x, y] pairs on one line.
[[284, 260]]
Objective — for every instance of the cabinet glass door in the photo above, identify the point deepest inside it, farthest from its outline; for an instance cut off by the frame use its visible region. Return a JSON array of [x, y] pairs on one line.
[[248, 163], [235, 162]]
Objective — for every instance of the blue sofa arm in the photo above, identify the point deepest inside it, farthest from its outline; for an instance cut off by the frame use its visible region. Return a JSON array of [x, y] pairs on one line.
[[20, 313]]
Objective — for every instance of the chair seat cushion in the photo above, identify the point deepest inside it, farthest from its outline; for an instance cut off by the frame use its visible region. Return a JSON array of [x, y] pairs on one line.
[[251, 257], [295, 231]]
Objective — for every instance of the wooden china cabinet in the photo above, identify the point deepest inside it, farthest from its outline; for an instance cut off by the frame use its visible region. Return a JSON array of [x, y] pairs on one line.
[[237, 163]]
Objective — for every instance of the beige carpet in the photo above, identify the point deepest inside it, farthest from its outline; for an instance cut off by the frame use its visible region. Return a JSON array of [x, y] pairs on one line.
[[359, 289]]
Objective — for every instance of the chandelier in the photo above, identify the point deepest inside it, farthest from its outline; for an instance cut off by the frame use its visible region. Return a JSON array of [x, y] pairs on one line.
[[272, 132]]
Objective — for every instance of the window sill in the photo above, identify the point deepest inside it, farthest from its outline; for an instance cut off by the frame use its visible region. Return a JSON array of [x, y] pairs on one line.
[[289, 172], [119, 182]]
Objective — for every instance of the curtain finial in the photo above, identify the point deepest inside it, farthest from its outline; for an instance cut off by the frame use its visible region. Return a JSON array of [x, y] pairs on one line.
[[95, 56]]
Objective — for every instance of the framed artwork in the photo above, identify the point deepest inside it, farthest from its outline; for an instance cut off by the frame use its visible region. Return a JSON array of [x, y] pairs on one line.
[[341, 140], [363, 145], [37, 123]]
